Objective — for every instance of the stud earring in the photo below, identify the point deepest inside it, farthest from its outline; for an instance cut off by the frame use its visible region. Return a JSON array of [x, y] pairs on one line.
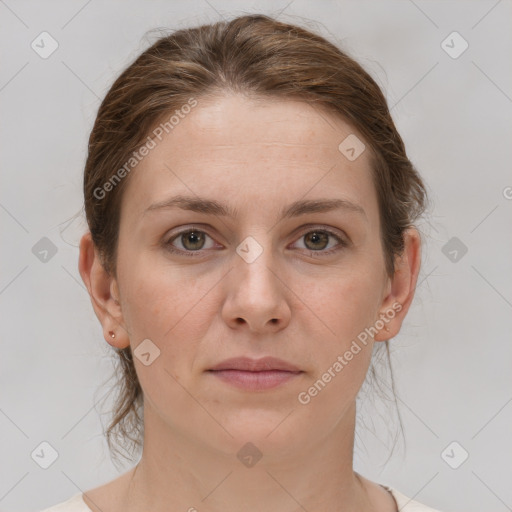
[[112, 335]]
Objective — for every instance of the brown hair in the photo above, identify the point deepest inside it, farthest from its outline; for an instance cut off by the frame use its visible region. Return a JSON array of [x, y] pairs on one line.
[[254, 55]]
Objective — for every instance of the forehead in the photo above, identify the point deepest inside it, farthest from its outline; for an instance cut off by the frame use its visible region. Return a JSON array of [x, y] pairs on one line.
[[250, 150]]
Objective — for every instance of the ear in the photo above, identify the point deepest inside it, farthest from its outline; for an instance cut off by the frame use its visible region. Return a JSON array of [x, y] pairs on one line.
[[104, 292], [401, 287]]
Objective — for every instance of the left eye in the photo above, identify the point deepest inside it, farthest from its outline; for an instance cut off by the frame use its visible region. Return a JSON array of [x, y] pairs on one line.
[[318, 240]]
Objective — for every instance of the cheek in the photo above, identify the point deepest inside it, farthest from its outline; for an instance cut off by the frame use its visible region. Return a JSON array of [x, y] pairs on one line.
[[172, 308], [342, 352], [346, 303], [169, 308], [159, 295]]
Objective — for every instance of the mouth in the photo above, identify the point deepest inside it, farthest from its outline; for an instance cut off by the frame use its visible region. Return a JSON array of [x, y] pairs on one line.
[[254, 381], [253, 375]]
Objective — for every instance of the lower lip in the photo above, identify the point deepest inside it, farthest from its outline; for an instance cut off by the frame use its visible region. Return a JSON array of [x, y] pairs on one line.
[[255, 381]]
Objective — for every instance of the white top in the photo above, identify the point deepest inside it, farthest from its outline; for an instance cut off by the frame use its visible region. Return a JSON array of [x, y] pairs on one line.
[[405, 504]]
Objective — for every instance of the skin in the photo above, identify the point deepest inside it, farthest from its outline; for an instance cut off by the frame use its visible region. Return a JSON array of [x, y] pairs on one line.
[[292, 302]]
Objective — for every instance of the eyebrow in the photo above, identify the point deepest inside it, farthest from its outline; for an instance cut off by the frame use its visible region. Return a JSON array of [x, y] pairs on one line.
[[295, 209]]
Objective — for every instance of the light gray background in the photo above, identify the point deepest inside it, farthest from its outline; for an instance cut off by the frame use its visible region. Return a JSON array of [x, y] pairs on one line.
[[452, 360]]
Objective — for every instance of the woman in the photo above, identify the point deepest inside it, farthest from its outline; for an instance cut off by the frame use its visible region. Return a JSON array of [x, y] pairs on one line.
[[251, 210]]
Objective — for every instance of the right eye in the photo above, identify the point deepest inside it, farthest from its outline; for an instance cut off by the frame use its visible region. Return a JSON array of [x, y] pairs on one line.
[[192, 241]]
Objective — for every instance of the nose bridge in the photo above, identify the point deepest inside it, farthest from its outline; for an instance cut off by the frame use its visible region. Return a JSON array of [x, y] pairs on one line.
[[255, 255]]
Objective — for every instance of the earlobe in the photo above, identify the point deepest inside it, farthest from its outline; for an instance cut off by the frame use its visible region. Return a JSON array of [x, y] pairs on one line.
[[402, 286], [100, 286]]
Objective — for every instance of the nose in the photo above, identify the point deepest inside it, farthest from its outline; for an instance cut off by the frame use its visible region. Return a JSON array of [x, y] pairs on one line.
[[257, 297]]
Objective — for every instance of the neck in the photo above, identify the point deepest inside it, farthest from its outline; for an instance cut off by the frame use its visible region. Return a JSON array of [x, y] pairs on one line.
[[177, 472]]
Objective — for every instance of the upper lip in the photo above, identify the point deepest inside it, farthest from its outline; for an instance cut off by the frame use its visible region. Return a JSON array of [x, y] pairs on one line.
[[255, 365]]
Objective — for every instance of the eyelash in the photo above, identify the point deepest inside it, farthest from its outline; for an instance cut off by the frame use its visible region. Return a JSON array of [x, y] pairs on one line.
[[341, 243]]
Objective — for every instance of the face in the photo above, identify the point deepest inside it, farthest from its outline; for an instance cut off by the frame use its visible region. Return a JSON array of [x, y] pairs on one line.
[[234, 277]]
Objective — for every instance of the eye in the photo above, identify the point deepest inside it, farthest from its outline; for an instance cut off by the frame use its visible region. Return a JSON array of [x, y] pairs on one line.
[[317, 240], [192, 241]]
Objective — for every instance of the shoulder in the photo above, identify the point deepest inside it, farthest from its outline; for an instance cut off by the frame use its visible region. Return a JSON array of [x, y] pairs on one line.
[[73, 504], [406, 504]]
